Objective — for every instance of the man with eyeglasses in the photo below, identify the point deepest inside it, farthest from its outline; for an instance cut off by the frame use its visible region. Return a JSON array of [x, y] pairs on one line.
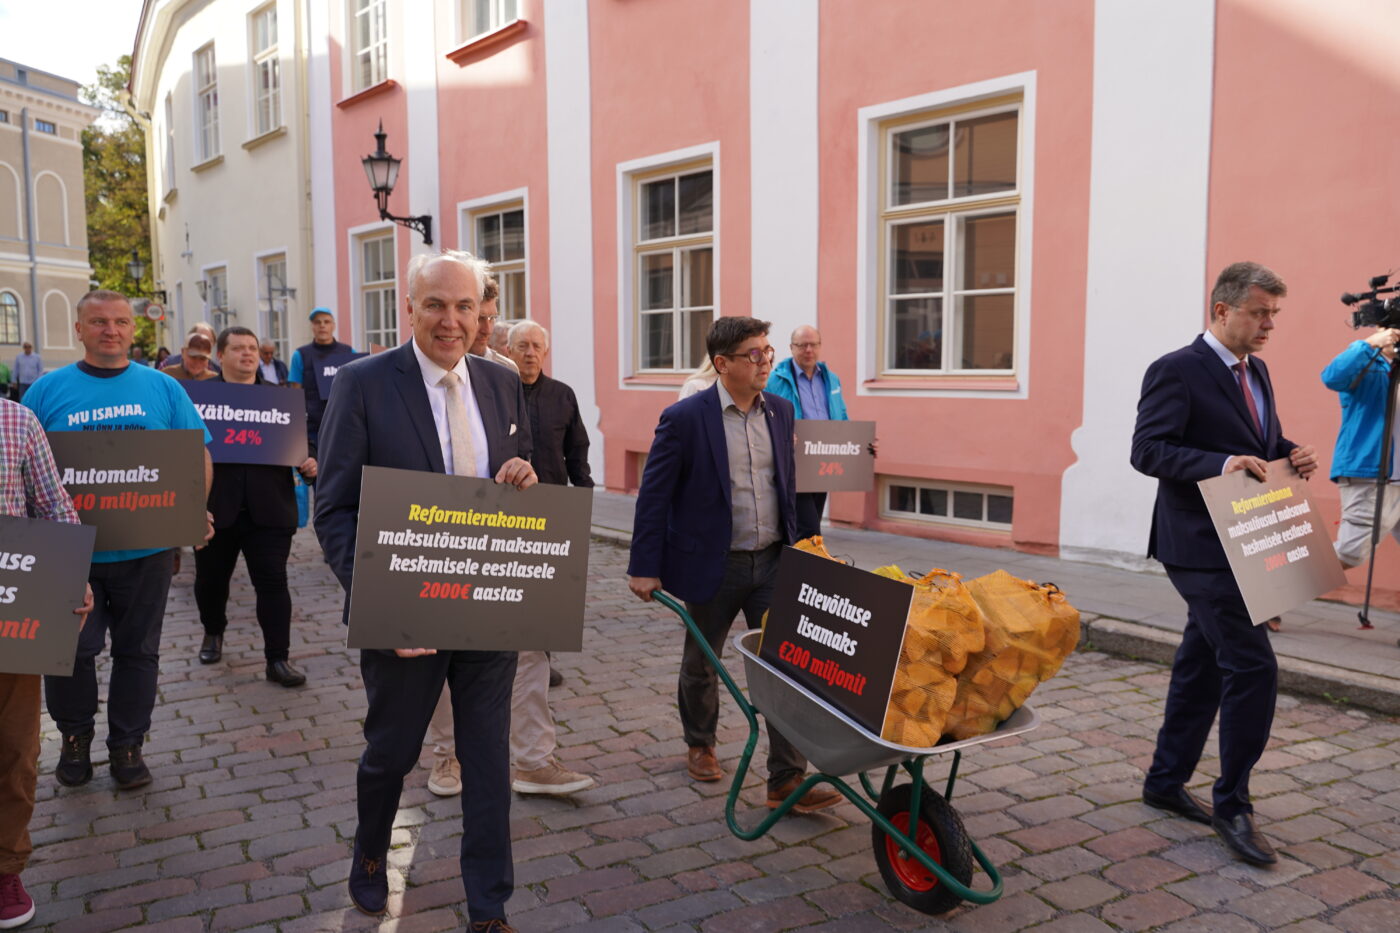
[[1209, 409], [716, 505], [486, 327], [815, 393]]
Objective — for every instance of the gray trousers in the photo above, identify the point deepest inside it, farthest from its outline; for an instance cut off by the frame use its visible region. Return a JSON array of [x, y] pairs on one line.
[[749, 577]]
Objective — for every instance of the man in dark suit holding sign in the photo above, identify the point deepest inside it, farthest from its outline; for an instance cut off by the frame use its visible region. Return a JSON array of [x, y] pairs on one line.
[[1206, 410], [428, 406], [718, 501]]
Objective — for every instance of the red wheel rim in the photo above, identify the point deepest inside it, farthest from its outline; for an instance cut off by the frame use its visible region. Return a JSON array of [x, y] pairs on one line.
[[908, 869]]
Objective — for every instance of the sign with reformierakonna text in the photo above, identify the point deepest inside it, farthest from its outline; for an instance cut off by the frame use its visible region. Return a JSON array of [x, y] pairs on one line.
[[456, 562], [141, 489], [260, 424], [43, 569], [1277, 544], [834, 456]]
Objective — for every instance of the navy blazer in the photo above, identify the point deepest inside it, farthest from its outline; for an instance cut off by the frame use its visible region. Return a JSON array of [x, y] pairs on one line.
[[378, 415], [1191, 418], [684, 518]]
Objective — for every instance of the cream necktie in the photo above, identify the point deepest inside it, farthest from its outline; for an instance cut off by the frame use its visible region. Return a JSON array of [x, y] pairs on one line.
[[459, 427]]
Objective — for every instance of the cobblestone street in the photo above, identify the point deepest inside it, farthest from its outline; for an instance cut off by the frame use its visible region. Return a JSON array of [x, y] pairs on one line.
[[248, 823]]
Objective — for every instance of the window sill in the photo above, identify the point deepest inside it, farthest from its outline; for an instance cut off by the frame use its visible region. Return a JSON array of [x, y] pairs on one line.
[[267, 137], [476, 45], [374, 90], [207, 164], [656, 381], [921, 383]]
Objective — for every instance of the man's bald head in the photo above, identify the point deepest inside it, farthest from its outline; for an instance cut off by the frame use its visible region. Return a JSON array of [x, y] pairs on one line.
[[806, 348]]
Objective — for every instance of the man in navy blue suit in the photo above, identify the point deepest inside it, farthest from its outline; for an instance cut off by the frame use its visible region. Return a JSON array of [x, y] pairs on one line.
[[718, 501], [429, 406], [1206, 410]]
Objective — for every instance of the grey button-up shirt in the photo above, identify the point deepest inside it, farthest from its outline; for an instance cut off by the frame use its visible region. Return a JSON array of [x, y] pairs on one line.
[[753, 475]]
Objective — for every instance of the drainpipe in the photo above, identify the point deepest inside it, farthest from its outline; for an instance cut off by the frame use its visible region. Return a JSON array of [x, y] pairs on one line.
[[32, 222]]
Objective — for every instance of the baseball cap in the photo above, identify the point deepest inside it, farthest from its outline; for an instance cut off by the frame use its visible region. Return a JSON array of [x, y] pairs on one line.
[[197, 345], [316, 311]]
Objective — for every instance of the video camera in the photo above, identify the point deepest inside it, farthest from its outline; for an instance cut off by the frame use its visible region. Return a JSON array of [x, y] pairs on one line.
[[1375, 311]]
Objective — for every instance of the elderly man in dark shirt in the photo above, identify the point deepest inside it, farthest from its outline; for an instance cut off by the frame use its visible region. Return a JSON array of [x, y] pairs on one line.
[[561, 443]]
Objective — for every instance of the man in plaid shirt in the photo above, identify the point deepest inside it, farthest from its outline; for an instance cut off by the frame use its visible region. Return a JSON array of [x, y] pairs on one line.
[[29, 487]]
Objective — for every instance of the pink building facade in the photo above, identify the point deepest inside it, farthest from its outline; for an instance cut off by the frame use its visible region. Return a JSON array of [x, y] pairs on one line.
[[997, 212]]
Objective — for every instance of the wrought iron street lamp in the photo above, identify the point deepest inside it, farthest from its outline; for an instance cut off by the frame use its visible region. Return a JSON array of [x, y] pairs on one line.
[[382, 169], [136, 268]]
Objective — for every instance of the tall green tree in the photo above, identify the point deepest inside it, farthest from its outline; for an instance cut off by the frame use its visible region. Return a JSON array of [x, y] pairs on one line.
[[114, 174]]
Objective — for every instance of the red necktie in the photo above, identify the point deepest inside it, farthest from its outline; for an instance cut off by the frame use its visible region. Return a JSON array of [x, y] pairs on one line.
[[1239, 369]]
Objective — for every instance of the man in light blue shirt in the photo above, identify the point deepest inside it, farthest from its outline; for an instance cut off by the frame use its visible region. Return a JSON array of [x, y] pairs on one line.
[[28, 368], [815, 393]]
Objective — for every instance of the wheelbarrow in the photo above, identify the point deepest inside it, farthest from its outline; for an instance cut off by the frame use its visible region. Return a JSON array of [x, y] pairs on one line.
[[921, 846]]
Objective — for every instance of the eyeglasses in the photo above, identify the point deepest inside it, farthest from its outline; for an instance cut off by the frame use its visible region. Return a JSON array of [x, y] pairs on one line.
[[488, 318], [755, 356], [805, 346]]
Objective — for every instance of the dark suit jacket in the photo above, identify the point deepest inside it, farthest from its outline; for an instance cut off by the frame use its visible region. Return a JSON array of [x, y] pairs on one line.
[[556, 428], [684, 518], [279, 367], [1191, 419], [378, 415]]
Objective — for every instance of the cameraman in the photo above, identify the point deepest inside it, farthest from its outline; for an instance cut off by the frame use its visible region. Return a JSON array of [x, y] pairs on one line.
[[1361, 375]]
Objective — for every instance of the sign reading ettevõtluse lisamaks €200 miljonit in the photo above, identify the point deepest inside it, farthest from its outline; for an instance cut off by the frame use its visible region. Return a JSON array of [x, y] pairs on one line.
[[142, 489], [43, 567], [456, 562], [837, 631]]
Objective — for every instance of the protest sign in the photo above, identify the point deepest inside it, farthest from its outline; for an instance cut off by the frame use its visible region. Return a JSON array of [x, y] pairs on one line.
[[1277, 544], [260, 424], [326, 368], [455, 562], [141, 489], [837, 631], [834, 456], [43, 569]]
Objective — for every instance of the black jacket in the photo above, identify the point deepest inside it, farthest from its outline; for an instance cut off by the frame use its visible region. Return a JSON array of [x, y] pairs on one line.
[[560, 439]]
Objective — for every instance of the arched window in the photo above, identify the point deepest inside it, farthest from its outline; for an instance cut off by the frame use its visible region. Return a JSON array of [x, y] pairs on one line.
[[9, 318]]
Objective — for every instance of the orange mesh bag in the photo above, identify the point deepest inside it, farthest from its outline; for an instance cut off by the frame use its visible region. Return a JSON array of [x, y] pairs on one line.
[[815, 545], [944, 628], [1031, 629]]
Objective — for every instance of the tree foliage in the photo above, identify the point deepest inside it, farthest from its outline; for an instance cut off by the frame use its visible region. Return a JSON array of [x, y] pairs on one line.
[[114, 176]]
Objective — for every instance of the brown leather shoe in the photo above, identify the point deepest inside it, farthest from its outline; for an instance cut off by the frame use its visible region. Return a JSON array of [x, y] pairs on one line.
[[818, 798], [702, 763]]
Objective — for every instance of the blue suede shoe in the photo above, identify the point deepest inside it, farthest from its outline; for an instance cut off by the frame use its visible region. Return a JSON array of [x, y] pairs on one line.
[[369, 884]]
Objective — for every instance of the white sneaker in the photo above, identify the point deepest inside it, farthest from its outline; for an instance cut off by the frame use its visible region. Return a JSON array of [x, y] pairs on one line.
[[551, 778], [446, 779]]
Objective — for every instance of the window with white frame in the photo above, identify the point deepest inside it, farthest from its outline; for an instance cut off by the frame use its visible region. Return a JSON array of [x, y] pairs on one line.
[[272, 295], [499, 235], [482, 16], [216, 298], [169, 142], [9, 318], [266, 72], [948, 221], [369, 35], [948, 503], [673, 259], [206, 97], [379, 290]]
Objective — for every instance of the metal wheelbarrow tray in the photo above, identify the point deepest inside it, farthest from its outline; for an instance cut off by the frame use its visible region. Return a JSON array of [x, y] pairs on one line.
[[921, 847]]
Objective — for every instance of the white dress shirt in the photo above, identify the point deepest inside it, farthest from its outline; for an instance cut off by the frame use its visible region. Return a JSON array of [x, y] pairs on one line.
[[437, 398]]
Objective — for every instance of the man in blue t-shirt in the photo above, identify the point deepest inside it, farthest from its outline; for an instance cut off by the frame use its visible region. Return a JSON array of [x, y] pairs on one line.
[[129, 587]]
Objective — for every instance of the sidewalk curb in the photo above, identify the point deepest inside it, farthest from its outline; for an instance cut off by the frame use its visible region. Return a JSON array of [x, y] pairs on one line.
[[1323, 681]]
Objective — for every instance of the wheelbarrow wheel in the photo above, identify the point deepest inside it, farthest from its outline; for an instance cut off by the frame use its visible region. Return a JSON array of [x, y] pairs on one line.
[[939, 832]]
